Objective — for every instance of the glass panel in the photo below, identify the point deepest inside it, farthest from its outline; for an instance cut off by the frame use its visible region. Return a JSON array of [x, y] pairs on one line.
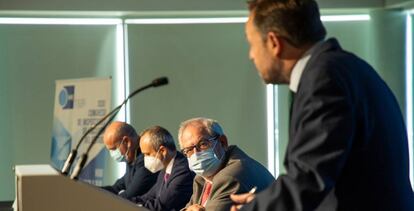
[[32, 57]]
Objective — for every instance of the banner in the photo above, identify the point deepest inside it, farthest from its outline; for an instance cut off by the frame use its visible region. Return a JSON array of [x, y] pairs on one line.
[[79, 104]]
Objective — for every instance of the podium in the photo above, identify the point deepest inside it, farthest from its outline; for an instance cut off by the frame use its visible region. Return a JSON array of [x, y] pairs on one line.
[[41, 187]]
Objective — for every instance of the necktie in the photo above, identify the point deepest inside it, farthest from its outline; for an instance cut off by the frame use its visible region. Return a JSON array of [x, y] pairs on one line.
[[206, 193], [166, 176]]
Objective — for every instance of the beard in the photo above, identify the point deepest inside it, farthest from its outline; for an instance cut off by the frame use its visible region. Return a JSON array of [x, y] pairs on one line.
[[275, 74]]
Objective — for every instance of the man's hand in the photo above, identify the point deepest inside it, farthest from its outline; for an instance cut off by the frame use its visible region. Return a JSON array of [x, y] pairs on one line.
[[241, 199], [195, 207]]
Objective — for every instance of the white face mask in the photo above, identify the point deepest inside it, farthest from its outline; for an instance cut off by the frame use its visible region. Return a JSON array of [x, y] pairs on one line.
[[205, 163], [117, 155], [153, 164]]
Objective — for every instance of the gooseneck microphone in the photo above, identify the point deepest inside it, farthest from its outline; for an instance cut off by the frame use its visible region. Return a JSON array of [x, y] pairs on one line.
[[160, 81], [111, 115]]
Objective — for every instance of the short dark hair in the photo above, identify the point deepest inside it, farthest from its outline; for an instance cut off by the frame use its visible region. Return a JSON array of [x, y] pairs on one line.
[[297, 21], [159, 136]]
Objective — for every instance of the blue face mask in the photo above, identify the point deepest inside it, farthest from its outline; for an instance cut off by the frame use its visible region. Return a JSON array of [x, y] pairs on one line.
[[205, 163], [117, 155]]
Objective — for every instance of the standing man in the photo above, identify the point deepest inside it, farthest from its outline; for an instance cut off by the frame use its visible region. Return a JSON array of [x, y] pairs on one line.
[[173, 188], [121, 140], [347, 145], [221, 169]]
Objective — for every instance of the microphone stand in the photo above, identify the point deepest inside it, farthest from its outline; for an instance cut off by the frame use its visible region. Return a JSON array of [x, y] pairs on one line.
[[84, 157], [74, 152]]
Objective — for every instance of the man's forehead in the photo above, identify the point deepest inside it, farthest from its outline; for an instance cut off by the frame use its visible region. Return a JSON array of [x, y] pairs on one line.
[[110, 139], [145, 141], [145, 145], [249, 24], [194, 130], [192, 135]]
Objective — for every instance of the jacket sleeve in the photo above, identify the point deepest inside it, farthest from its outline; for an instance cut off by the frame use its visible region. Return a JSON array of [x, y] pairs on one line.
[[174, 197], [322, 133], [194, 196], [141, 181], [117, 186], [220, 198]]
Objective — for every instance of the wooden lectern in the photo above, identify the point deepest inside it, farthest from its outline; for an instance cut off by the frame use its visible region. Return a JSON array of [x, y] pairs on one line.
[[42, 188]]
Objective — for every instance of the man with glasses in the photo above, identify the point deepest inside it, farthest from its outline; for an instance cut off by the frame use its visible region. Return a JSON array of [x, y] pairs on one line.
[[121, 140], [221, 169], [173, 188]]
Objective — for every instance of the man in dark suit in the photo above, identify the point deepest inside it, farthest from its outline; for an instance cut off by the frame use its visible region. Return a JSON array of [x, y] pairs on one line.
[[347, 145], [173, 188], [121, 140]]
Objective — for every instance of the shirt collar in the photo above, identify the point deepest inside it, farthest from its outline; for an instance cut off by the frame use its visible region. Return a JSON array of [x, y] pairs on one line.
[[300, 66], [168, 170], [132, 163]]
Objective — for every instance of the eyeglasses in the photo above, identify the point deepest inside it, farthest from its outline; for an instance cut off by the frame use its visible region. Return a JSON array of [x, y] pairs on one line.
[[202, 144]]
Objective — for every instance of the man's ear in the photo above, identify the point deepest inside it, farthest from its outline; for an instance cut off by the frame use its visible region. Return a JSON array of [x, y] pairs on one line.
[[274, 43], [164, 151], [128, 141], [223, 141]]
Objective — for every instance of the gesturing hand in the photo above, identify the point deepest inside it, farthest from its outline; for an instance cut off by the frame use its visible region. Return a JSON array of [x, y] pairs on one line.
[[241, 199]]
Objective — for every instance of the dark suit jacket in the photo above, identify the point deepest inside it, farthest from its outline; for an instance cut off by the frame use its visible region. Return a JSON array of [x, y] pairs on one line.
[[136, 181], [239, 174], [348, 144], [173, 194]]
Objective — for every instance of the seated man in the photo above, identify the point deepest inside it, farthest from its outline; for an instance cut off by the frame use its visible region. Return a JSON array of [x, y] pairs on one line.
[[121, 140], [221, 169], [173, 188]]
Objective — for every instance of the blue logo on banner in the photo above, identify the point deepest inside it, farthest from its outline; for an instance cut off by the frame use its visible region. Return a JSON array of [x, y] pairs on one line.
[[61, 144], [66, 96]]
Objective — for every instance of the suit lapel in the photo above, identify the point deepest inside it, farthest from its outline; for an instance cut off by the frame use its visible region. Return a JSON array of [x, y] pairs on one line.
[[163, 185], [200, 182]]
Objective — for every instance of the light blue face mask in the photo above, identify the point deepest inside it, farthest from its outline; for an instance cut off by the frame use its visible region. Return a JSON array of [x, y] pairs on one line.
[[205, 163], [117, 155]]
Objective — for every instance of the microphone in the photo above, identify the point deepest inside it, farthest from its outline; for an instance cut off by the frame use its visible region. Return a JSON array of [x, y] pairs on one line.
[[82, 160], [155, 83], [160, 81]]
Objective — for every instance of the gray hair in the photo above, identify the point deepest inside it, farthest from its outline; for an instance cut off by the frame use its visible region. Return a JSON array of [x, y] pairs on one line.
[[209, 126], [159, 136]]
